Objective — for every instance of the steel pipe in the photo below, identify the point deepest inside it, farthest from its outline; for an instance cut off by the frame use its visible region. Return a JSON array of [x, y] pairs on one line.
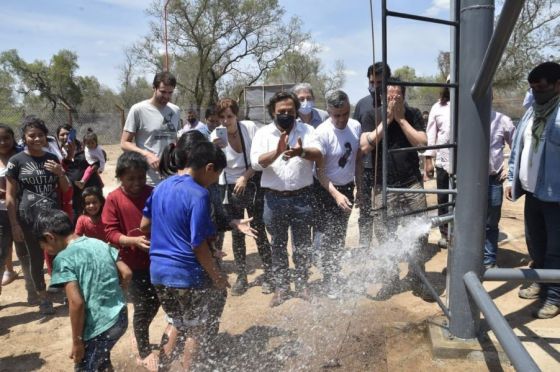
[[423, 148], [515, 351], [423, 210], [421, 191], [430, 288], [421, 18], [477, 24], [508, 17], [522, 275], [442, 220]]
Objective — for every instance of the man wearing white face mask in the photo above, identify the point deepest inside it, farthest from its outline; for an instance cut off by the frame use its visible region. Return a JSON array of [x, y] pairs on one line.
[[307, 112]]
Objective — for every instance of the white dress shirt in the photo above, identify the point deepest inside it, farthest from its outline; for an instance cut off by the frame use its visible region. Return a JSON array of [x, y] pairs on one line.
[[284, 175]]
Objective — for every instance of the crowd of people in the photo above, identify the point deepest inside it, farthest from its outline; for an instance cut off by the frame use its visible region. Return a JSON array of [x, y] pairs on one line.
[[157, 239]]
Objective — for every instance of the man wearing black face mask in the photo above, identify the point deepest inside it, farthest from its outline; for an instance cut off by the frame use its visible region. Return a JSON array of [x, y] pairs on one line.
[[364, 109], [534, 166], [285, 152]]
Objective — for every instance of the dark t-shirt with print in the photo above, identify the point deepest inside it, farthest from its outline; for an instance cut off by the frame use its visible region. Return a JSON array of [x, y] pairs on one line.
[[403, 168], [38, 188]]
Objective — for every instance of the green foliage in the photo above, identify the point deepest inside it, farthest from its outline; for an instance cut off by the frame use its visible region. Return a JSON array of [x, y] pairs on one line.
[[54, 83], [535, 39], [216, 42]]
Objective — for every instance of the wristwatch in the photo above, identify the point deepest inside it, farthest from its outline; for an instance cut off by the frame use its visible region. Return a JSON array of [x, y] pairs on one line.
[[302, 155]]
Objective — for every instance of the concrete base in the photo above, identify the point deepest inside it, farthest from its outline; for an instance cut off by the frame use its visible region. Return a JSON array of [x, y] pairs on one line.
[[446, 346]]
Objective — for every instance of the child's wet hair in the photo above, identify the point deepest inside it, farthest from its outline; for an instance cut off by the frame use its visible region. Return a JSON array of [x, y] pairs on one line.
[[53, 221], [174, 156], [93, 191], [204, 153], [130, 160]]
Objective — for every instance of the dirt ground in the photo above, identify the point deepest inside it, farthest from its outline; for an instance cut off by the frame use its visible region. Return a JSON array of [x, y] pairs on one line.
[[361, 333]]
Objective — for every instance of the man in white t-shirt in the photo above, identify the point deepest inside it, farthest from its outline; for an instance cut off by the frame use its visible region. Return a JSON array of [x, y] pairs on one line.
[[152, 124], [285, 152], [340, 167], [193, 123]]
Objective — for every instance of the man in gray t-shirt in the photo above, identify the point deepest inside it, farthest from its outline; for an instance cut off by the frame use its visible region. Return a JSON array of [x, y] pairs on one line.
[[152, 124]]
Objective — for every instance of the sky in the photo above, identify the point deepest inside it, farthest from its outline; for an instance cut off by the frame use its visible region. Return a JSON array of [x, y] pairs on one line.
[[99, 30]]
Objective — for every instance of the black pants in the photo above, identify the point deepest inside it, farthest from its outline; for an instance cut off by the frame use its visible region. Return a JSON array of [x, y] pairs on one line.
[[36, 258], [542, 232], [442, 181], [365, 220], [238, 238], [330, 235], [146, 305]]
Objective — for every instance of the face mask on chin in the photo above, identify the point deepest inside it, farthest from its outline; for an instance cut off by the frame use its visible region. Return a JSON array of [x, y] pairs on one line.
[[192, 120], [543, 97], [306, 107], [284, 121]]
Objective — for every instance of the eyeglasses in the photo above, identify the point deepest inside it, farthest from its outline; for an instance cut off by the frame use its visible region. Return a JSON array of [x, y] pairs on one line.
[[344, 159]]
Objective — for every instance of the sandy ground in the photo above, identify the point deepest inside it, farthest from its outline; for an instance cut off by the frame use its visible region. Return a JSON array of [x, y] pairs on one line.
[[362, 333]]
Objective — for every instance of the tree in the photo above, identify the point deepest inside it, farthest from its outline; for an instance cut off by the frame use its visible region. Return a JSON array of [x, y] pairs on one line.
[[535, 39], [6, 89], [134, 88], [303, 65], [55, 82], [219, 40]]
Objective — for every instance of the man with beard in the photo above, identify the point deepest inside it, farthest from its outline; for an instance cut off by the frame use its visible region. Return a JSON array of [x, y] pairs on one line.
[[533, 170], [368, 107], [152, 124], [285, 152]]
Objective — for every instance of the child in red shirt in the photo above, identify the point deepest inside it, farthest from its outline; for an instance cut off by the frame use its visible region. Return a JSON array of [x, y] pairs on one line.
[[89, 223], [121, 215]]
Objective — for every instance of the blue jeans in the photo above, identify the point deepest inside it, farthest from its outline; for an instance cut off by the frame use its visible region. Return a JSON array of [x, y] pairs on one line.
[[495, 197], [280, 214], [542, 233], [97, 355]]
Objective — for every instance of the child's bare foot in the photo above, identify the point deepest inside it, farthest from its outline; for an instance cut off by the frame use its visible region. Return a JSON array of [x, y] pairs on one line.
[[150, 362], [80, 184]]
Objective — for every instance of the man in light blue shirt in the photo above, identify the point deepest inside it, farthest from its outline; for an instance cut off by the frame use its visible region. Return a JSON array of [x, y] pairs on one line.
[[534, 166]]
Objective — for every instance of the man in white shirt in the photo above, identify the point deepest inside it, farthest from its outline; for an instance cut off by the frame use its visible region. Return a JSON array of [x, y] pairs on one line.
[[438, 131], [193, 123], [338, 171], [152, 124], [285, 151]]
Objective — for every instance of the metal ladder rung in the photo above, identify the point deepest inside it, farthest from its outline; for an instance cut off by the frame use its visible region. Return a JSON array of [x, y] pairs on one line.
[[422, 191], [422, 18], [423, 148], [422, 84]]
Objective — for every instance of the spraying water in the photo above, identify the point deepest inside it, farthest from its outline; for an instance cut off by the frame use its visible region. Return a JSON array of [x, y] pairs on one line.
[[302, 336]]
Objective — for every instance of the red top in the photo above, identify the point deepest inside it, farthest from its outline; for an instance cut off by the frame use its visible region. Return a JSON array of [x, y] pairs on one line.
[[86, 227], [121, 216]]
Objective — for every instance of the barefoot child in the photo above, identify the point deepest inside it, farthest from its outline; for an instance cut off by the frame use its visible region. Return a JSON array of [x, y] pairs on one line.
[[95, 157], [122, 215], [90, 273], [182, 266], [89, 223]]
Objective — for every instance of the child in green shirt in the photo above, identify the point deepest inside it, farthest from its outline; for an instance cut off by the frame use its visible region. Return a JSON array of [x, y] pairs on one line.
[[92, 276]]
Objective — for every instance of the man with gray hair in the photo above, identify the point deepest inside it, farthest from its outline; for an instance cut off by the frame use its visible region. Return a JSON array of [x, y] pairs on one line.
[[339, 171], [307, 112]]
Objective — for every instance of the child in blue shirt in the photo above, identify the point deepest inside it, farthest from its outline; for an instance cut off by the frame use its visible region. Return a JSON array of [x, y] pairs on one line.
[[182, 266], [92, 277]]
